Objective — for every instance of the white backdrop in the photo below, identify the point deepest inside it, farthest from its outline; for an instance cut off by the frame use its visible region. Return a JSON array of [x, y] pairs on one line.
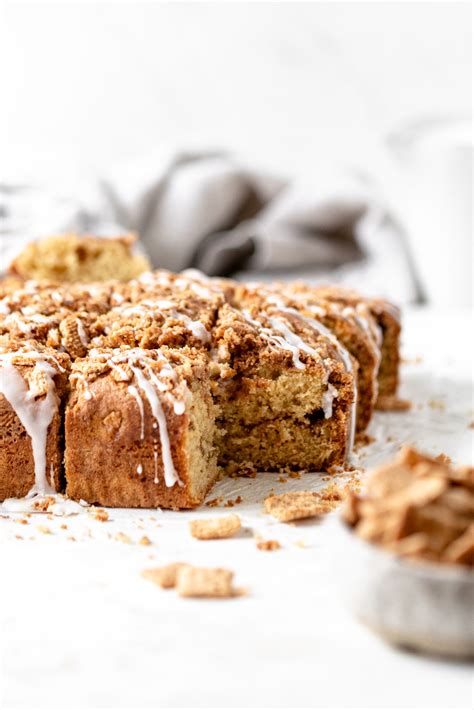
[[88, 88], [285, 84]]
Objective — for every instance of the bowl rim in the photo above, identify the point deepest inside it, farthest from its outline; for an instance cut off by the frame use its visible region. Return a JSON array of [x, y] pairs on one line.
[[433, 570]]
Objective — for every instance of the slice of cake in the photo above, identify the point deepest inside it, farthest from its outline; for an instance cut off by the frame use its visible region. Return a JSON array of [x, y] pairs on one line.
[[33, 382], [387, 317], [85, 258], [140, 429], [355, 330], [285, 392]]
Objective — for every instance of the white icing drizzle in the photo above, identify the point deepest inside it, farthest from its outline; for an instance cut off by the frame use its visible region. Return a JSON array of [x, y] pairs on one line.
[[155, 459], [160, 307], [27, 324], [57, 297], [61, 506], [30, 355], [343, 355], [117, 297], [171, 477], [199, 282], [34, 414], [82, 378], [348, 365], [139, 469], [293, 342], [4, 307], [277, 340], [140, 363], [194, 326], [147, 277], [328, 398], [82, 333]]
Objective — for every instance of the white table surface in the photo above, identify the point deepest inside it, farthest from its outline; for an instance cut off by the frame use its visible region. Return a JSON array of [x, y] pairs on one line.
[[79, 626]]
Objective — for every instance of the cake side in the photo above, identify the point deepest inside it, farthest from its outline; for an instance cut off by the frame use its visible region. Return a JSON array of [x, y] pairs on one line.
[[387, 316], [152, 419], [285, 397], [33, 382]]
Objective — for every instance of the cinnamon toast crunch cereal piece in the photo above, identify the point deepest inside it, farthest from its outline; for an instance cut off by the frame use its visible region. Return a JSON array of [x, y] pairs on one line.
[[295, 505], [204, 582], [215, 528], [164, 577]]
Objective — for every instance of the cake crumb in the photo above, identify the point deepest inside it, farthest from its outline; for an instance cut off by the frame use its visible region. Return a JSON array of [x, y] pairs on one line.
[[43, 504], [268, 545], [436, 404], [122, 537], [215, 528], [296, 505], [214, 502], [100, 514], [231, 502], [44, 529], [145, 541]]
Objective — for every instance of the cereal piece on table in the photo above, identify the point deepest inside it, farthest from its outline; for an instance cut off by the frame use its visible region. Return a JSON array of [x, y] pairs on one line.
[[100, 514], [204, 582], [215, 528], [164, 577], [268, 545], [295, 505], [392, 403]]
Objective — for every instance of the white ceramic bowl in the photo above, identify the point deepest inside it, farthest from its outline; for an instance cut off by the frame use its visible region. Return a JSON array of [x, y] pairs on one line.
[[418, 605]]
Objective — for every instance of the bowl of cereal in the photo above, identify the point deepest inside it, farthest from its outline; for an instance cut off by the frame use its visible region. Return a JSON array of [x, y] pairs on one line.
[[406, 555]]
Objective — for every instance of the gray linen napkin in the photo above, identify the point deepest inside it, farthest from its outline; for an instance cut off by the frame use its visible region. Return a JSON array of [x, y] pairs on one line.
[[211, 212]]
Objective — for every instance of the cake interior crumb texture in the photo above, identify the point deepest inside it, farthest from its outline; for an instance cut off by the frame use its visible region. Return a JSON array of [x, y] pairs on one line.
[[143, 392]]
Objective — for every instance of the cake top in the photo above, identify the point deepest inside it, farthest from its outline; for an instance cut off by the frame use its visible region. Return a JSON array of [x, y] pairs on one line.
[[80, 258]]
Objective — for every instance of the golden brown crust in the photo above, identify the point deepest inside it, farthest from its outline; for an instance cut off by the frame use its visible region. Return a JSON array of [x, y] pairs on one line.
[[17, 463]]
